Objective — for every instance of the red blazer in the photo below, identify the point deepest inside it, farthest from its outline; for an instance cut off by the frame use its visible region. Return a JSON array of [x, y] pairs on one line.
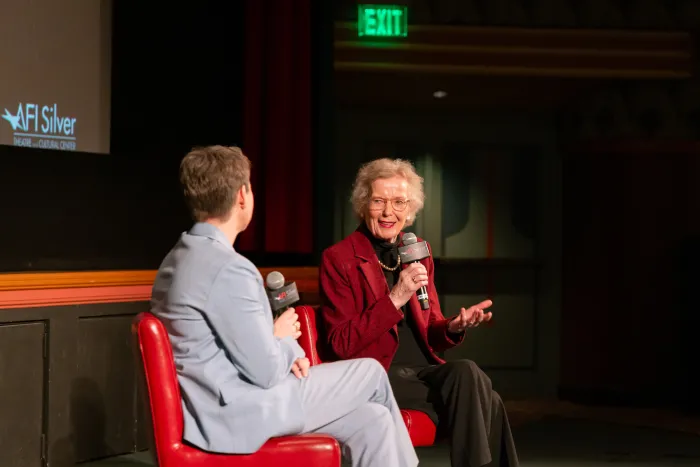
[[359, 318]]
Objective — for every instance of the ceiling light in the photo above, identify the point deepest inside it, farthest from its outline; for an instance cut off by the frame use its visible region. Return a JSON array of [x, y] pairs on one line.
[[439, 94]]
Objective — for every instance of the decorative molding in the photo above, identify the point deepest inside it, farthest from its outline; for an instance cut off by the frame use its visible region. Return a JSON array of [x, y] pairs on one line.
[[65, 280], [305, 277], [26, 290], [586, 14], [480, 51], [537, 38], [35, 298]]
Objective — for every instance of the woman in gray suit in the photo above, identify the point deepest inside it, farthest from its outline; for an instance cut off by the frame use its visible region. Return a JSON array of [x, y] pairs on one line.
[[243, 378]]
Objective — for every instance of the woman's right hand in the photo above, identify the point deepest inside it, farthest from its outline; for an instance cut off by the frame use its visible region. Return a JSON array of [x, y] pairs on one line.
[[411, 279], [287, 324]]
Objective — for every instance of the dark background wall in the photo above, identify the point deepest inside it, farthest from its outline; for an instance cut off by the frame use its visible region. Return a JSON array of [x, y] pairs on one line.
[[171, 89], [594, 298], [615, 233], [177, 81], [630, 248]]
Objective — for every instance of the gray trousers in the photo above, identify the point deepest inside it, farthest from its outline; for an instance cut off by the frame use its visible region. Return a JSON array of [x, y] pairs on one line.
[[352, 401]]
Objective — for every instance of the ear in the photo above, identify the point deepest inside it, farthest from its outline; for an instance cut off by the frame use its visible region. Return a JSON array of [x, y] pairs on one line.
[[240, 197]]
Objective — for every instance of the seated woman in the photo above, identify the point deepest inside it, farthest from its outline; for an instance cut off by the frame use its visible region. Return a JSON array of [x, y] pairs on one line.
[[370, 307]]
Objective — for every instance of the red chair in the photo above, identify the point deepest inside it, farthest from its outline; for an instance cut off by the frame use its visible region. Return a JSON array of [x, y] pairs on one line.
[[156, 369], [420, 427]]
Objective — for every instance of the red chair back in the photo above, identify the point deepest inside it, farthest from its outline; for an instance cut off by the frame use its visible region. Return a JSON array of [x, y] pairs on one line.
[[159, 386]]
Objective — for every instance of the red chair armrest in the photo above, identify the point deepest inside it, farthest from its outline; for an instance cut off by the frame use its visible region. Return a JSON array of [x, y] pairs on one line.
[[309, 334], [420, 426]]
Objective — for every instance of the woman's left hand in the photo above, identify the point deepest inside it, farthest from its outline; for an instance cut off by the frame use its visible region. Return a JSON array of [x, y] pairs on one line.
[[470, 317]]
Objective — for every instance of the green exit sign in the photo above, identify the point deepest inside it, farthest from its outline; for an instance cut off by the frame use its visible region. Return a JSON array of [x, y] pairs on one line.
[[382, 20]]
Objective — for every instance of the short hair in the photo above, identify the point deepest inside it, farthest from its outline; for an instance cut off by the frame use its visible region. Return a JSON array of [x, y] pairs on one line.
[[387, 168], [210, 178]]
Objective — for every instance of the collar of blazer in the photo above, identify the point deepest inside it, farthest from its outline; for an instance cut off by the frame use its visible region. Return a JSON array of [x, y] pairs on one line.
[[204, 229]]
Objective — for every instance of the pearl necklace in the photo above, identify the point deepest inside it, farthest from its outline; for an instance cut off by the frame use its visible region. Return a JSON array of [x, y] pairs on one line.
[[384, 266]]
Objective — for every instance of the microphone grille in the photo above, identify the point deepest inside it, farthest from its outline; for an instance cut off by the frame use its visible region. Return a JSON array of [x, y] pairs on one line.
[[409, 238], [274, 280]]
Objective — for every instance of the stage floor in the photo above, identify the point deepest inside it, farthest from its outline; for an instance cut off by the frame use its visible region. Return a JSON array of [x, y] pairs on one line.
[[555, 441]]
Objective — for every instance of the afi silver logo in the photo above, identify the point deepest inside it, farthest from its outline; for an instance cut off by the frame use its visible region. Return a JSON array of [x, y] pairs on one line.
[[44, 121], [41, 126]]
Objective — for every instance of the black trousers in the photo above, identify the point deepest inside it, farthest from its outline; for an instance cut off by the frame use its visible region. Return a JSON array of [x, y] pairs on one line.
[[459, 398]]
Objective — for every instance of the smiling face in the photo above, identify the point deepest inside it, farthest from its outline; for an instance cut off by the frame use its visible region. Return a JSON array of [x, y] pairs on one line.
[[388, 207]]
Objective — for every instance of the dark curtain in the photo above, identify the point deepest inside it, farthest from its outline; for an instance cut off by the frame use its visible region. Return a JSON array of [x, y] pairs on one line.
[[626, 218], [278, 125]]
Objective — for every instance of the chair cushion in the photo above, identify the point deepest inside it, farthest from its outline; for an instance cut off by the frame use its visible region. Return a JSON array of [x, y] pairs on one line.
[[289, 451]]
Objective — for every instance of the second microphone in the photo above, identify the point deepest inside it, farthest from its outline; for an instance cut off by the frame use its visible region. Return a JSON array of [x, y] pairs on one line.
[[413, 251]]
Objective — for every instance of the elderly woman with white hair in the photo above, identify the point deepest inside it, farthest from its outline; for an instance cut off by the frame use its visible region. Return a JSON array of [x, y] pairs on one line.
[[369, 309]]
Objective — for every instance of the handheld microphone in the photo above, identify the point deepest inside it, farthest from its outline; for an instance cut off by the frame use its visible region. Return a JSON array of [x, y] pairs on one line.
[[413, 251], [280, 294]]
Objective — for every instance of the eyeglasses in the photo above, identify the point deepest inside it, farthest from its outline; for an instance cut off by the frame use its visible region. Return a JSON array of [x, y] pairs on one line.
[[378, 204]]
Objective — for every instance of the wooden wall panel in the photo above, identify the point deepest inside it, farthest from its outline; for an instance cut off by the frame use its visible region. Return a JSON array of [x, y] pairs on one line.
[[103, 395], [143, 423], [90, 407], [22, 384]]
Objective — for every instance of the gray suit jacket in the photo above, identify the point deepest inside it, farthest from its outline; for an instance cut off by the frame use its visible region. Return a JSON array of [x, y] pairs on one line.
[[234, 374]]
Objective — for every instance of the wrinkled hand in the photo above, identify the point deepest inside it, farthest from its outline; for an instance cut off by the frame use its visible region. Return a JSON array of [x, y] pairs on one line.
[[301, 368], [287, 324], [411, 279], [470, 317]]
